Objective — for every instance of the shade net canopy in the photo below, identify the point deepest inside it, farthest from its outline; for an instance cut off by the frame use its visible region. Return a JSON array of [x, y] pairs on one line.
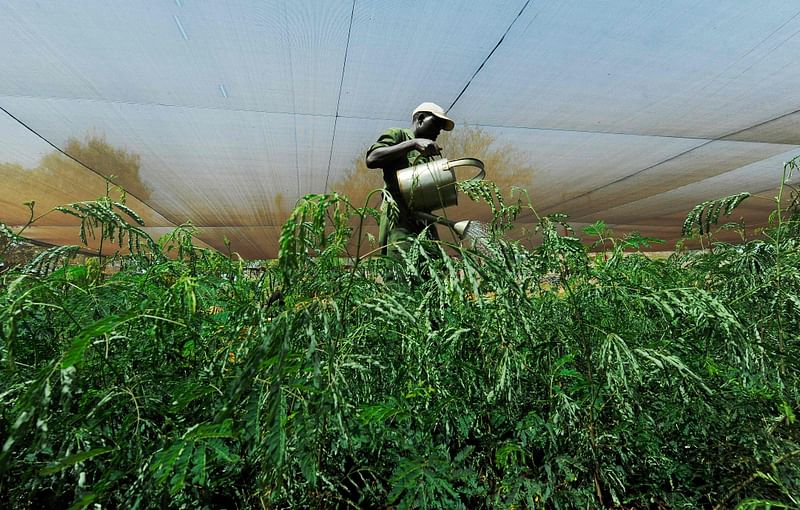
[[225, 114]]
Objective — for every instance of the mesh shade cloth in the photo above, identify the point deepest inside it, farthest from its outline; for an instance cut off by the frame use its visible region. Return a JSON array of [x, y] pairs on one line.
[[225, 114]]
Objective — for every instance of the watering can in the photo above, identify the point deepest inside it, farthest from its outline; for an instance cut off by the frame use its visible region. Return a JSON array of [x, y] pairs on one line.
[[431, 186]]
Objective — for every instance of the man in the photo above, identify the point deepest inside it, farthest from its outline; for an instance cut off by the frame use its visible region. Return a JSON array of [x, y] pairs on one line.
[[399, 148]]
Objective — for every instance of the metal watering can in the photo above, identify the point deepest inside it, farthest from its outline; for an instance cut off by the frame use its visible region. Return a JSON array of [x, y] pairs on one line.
[[431, 186]]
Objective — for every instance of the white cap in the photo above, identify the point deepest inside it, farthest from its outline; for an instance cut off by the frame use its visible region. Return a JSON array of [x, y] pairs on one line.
[[436, 110]]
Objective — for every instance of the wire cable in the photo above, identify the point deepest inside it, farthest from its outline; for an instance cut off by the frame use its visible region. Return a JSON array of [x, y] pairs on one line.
[[726, 137], [339, 99], [480, 67]]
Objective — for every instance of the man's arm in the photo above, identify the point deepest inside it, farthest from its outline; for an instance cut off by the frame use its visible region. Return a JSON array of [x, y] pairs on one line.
[[378, 157]]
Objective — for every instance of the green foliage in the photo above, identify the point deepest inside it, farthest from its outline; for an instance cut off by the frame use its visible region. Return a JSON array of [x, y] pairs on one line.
[[706, 214], [104, 214], [502, 378]]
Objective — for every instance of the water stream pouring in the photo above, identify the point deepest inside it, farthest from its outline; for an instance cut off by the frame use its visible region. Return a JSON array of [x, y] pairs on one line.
[[474, 232]]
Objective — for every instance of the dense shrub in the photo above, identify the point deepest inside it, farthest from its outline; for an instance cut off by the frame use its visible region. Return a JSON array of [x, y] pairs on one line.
[[565, 376]]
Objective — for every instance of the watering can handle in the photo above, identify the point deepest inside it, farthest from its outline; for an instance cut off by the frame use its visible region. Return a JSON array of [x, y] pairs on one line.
[[469, 162]]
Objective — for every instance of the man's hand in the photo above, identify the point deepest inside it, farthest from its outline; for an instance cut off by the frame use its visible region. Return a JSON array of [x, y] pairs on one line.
[[427, 147]]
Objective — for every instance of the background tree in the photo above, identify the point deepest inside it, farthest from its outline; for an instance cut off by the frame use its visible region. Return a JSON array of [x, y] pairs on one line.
[[57, 179], [117, 164]]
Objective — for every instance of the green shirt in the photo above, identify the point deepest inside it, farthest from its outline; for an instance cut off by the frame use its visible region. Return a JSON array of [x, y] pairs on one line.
[[391, 137]]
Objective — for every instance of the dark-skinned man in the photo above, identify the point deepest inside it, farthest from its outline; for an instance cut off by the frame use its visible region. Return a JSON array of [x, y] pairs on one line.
[[399, 148]]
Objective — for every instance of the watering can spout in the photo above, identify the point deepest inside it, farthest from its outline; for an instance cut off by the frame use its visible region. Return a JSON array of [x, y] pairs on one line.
[[473, 230], [461, 227]]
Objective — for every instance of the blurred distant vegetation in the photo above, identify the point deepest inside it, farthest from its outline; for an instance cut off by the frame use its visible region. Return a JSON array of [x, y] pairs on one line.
[[58, 179], [119, 165]]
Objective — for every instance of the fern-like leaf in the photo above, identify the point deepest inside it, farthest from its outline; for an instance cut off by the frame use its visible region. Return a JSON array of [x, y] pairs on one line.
[[707, 213]]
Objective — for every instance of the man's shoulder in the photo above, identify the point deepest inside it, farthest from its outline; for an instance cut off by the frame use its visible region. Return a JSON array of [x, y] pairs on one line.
[[400, 134], [391, 136]]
